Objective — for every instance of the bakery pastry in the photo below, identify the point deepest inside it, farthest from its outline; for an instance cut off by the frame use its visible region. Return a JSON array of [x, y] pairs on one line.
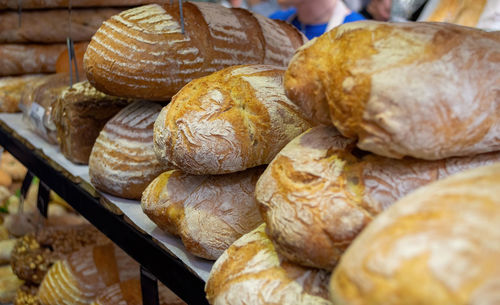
[[129, 293], [228, 121], [12, 166], [27, 295], [426, 90], [250, 272], [208, 212], [5, 179], [438, 245], [52, 26], [18, 59], [11, 89], [463, 12], [143, 53], [122, 161], [319, 192], [9, 283], [79, 114], [79, 278], [6, 247]]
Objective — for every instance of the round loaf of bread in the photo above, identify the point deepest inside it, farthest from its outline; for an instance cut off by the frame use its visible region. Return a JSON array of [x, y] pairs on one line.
[[143, 53], [319, 193], [208, 212], [122, 161], [250, 272], [228, 121], [425, 90], [438, 245]]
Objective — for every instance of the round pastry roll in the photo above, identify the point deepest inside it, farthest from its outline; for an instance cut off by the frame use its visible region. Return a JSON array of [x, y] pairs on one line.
[[438, 245], [250, 272], [320, 192]]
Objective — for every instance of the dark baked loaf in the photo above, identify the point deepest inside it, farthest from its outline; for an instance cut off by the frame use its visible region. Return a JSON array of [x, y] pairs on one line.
[[79, 114]]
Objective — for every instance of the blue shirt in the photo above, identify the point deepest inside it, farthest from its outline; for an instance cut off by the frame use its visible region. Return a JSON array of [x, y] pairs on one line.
[[313, 30]]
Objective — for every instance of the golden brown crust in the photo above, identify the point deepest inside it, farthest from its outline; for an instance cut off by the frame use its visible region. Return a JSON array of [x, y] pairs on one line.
[[425, 90], [318, 194], [154, 60], [438, 245], [18, 59], [11, 89], [208, 212], [463, 12], [229, 121]]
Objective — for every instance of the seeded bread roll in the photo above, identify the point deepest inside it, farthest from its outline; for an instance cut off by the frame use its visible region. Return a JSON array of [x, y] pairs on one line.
[[463, 12], [426, 90], [438, 245], [143, 53], [228, 121], [52, 26], [208, 212], [250, 272], [122, 161], [78, 279], [319, 193], [79, 114]]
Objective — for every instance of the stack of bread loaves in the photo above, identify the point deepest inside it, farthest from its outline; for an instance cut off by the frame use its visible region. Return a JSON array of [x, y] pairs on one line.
[[422, 101]]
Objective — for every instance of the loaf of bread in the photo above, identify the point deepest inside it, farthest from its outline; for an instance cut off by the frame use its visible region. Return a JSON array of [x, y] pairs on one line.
[[11, 89], [17, 59], [62, 63], [228, 121], [52, 26], [44, 4], [250, 272], [463, 12], [319, 193], [27, 295], [9, 283], [438, 245], [122, 161], [426, 90], [79, 114], [129, 293], [208, 212], [143, 53], [78, 279]]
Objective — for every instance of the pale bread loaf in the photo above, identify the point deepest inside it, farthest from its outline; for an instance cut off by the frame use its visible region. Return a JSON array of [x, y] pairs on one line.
[[142, 52], [250, 272], [229, 121], [79, 114], [426, 90], [122, 161], [18, 59], [317, 195], [463, 12], [129, 293], [438, 245], [52, 26], [78, 279], [208, 212]]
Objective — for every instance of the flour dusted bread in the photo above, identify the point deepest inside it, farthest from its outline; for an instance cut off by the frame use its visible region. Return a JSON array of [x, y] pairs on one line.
[[208, 212], [438, 245], [250, 272], [319, 193], [18, 59], [52, 26], [79, 114], [228, 121], [78, 279], [129, 293], [122, 161], [143, 53], [426, 90]]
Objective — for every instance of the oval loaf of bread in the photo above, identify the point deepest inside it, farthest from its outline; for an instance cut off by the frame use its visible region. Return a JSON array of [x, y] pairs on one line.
[[228, 121], [122, 161], [438, 245], [78, 279], [317, 195], [208, 212], [250, 272], [143, 53], [425, 90]]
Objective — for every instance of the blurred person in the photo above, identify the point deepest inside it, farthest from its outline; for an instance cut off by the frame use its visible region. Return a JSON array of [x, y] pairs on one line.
[[263, 7], [377, 9], [315, 17]]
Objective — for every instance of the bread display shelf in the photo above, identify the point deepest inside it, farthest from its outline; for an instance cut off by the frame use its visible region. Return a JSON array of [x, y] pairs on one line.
[[123, 221]]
